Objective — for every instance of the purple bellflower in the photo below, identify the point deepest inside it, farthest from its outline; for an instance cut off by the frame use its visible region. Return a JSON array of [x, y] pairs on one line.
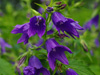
[[71, 72], [93, 21], [56, 51], [35, 67], [65, 24], [3, 44], [36, 25]]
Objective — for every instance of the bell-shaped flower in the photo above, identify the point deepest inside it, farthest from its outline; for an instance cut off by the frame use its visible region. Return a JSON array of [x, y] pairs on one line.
[[66, 24], [35, 67], [3, 44], [56, 51], [93, 21], [37, 25], [71, 72]]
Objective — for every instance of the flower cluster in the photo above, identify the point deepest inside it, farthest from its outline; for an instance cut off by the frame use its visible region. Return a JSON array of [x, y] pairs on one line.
[[37, 24]]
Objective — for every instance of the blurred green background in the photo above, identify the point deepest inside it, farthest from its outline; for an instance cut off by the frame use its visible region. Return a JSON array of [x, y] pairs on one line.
[[13, 12]]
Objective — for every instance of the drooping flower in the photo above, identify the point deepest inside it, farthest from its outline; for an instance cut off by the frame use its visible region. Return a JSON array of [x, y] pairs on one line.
[[35, 67], [37, 25], [3, 44], [93, 21], [56, 51], [66, 24], [24, 30], [71, 72]]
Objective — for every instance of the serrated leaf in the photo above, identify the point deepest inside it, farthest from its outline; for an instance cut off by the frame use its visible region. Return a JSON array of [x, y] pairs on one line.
[[6, 68], [36, 13], [80, 67]]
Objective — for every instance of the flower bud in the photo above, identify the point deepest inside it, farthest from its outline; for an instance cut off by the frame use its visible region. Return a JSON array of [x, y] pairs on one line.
[[84, 45], [85, 48], [21, 61], [58, 3], [63, 6], [49, 9], [61, 35]]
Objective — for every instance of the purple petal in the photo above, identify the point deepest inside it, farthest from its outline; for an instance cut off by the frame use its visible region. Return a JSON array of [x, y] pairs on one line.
[[37, 25], [41, 30], [24, 38], [58, 53], [20, 28], [50, 32], [96, 21], [71, 30], [28, 70], [39, 43], [64, 48], [40, 10], [49, 9], [58, 18], [44, 71], [3, 44], [75, 24], [97, 42], [71, 72], [51, 43], [35, 62], [52, 62], [3, 49], [93, 21], [7, 45]]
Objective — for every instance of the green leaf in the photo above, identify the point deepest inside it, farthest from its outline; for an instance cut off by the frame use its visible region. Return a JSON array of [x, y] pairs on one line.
[[51, 2], [6, 68], [79, 67], [43, 6], [36, 13]]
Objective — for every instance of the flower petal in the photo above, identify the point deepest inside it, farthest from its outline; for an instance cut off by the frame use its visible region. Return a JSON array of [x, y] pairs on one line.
[[51, 43], [58, 17], [71, 72], [35, 62], [20, 28], [24, 38], [44, 71]]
